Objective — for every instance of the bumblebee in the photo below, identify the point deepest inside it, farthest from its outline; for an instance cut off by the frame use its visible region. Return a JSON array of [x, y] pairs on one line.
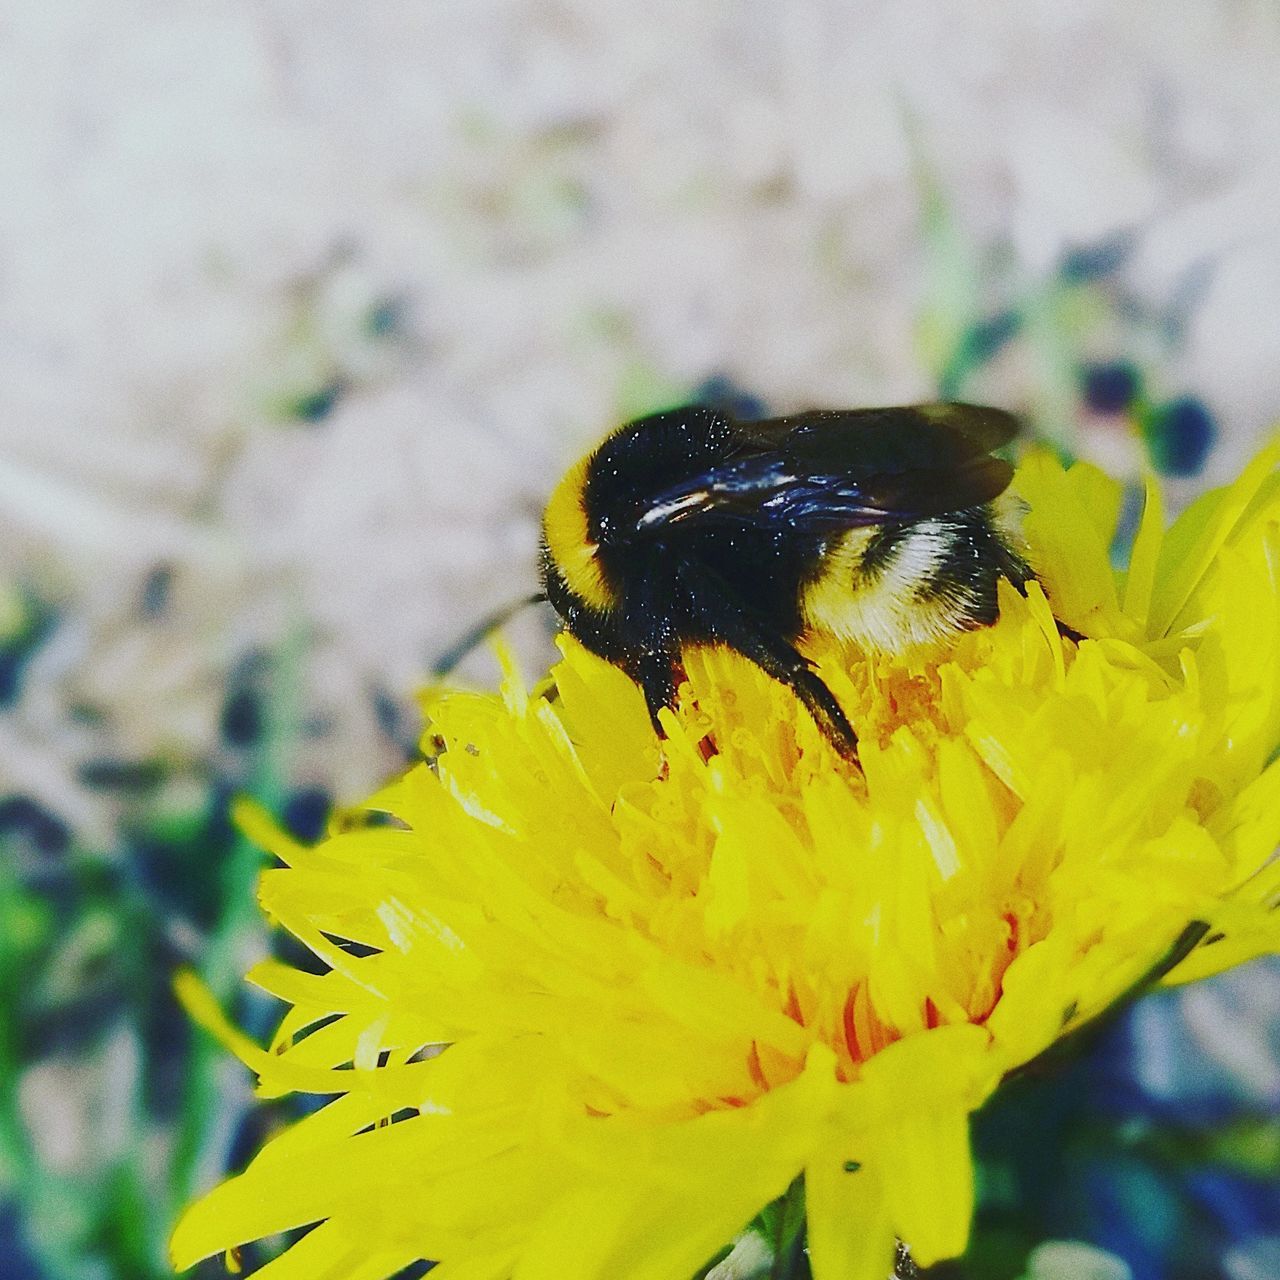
[[879, 527]]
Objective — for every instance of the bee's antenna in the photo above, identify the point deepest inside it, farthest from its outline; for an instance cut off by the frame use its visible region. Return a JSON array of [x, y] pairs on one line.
[[478, 634]]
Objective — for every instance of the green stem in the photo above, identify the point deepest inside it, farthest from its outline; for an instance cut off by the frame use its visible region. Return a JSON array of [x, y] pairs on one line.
[[793, 1262], [790, 1260]]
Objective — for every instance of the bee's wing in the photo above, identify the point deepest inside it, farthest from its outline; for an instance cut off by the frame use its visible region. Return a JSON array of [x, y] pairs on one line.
[[831, 470], [922, 436]]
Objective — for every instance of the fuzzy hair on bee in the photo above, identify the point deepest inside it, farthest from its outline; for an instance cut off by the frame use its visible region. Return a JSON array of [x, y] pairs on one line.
[[884, 528]]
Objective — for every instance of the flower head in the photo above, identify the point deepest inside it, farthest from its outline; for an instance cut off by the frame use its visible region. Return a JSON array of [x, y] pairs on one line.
[[674, 976]]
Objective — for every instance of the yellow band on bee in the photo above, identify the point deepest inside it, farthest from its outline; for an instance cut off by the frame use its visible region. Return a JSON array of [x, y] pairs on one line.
[[569, 540], [886, 609]]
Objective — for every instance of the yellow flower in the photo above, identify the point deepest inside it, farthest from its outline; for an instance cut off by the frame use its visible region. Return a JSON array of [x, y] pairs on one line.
[[672, 977]]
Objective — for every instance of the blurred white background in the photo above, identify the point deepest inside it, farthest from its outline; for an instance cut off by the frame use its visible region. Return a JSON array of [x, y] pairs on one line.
[[305, 305]]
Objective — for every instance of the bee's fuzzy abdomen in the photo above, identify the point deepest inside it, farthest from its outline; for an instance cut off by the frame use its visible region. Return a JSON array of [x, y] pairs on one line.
[[910, 584]]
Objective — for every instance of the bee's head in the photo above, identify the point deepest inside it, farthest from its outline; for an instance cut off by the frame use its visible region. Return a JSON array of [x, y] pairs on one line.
[[630, 470], [597, 511]]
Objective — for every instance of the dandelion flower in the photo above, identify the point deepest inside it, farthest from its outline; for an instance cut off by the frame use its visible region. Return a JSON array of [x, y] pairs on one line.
[[594, 999]]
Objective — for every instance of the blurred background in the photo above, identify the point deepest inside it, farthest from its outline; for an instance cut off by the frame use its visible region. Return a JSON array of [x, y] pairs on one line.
[[304, 307]]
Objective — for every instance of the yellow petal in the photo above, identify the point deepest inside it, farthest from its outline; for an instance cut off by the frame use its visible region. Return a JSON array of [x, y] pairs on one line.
[[1070, 547], [1199, 534], [850, 1235], [1241, 931], [923, 1090], [1140, 579]]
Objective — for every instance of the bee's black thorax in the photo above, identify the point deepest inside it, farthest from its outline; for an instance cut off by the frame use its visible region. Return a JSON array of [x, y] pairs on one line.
[[641, 460]]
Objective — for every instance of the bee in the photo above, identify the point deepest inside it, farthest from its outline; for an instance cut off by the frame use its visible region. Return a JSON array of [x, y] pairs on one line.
[[878, 527]]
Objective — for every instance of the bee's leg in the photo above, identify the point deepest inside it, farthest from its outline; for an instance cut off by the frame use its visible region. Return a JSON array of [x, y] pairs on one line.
[[1020, 584], [654, 672], [1069, 633], [786, 664], [1019, 573], [648, 647], [725, 619]]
